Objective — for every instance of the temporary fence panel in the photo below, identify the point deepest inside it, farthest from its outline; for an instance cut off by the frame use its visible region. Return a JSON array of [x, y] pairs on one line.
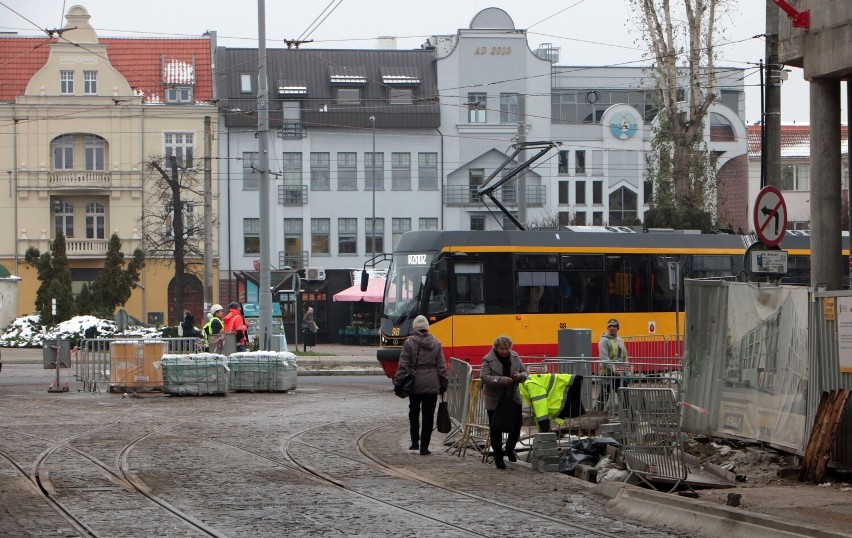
[[830, 363], [475, 432], [651, 349], [458, 397], [652, 446], [262, 371], [747, 363], [195, 375]]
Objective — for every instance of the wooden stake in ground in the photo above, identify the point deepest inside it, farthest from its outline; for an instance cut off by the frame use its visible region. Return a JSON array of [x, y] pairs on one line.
[[829, 412]]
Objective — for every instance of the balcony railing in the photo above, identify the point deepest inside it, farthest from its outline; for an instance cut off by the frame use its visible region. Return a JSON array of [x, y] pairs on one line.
[[293, 195], [293, 260], [86, 247], [464, 195], [79, 178]]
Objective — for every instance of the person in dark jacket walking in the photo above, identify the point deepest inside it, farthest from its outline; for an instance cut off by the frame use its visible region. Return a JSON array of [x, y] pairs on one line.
[[422, 356], [187, 326], [501, 373]]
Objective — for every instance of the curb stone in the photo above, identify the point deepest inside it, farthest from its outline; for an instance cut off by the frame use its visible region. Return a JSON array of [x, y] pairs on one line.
[[700, 517]]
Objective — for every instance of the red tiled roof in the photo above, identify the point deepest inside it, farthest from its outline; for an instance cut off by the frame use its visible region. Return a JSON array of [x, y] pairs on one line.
[[795, 141], [140, 61]]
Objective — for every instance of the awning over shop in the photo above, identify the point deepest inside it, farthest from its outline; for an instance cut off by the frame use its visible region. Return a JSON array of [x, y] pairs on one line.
[[374, 293]]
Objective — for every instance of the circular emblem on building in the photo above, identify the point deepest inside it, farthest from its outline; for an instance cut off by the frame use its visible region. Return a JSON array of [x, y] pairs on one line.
[[623, 125]]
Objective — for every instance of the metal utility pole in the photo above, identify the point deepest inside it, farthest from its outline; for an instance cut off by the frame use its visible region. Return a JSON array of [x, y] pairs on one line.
[[208, 218], [264, 325], [373, 187], [522, 157], [772, 117]]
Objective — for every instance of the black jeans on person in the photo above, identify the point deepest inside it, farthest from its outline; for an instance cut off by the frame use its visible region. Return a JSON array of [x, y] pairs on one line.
[[497, 437], [418, 434]]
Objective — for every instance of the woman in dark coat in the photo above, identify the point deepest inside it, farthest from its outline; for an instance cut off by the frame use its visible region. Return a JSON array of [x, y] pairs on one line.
[[422, 356], [501, 373]]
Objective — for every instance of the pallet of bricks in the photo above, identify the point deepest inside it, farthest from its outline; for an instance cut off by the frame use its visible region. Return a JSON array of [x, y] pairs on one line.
[[133, 365], [200, 374], [262, 371]]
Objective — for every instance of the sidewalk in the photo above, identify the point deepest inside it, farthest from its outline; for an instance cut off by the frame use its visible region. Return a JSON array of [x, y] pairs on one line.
[[325, 359]]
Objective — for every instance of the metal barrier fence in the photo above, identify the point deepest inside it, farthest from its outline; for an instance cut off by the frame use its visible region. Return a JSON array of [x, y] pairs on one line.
[[458, 397], [652, 445], [95, 367]]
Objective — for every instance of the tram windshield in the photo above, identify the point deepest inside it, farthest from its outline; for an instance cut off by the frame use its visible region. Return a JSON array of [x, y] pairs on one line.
[[406, 278]]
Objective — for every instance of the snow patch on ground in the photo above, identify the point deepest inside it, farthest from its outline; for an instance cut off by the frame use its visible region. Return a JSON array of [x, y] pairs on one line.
[[28, 332]]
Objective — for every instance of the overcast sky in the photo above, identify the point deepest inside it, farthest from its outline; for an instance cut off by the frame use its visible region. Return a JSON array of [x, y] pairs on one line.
[[589, 32]]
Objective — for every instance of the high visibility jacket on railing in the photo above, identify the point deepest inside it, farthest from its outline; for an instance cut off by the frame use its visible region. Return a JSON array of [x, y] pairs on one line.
[[553, 396]]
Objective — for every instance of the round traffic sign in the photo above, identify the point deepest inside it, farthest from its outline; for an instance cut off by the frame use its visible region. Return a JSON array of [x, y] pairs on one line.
[[770, 216]]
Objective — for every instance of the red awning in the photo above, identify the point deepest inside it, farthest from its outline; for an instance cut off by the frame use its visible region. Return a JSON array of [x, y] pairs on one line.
[[374, 293]]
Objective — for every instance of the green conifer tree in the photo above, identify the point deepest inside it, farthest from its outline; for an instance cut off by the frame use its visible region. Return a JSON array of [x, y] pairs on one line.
[[115, 283], [55, 277]]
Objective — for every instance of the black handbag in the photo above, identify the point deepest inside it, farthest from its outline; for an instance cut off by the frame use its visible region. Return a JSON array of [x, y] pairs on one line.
[[443, 422], [507, 416], [405, 388]]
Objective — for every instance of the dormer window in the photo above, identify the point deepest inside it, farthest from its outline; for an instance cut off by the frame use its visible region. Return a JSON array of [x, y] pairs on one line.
[[90, 82], [179, 94], [349, 96], [66, 82]]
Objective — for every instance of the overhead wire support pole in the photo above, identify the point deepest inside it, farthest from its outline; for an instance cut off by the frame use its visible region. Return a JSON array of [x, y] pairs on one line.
[[264, 325]]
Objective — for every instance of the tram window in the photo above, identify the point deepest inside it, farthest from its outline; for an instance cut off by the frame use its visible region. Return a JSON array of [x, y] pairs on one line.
[[536, 261], [469, 289], [499, 283], [439, 298], [662, 289], [537, 291], [582, 281], [711, 266], [798, 270], [585, 262]]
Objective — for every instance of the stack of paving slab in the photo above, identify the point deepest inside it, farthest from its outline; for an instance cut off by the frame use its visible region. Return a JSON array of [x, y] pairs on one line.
[[199, 374], [544, 455], [262, 371]]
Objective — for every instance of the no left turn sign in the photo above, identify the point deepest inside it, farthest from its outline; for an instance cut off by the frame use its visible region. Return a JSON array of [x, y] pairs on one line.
[[770, 216]]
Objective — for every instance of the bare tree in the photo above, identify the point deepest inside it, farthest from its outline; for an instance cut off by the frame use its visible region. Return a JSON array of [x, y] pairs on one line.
[[173, 229], [680, 163]]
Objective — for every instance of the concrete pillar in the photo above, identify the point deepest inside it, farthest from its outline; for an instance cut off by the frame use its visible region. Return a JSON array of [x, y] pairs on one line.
[[772, 119], [826, 258]]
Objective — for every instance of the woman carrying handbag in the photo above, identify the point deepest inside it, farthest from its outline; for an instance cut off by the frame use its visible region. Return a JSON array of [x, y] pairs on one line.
[[423, 357], [501, 373]]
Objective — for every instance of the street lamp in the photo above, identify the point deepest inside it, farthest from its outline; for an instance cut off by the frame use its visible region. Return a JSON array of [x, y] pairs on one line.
[[373, 237]]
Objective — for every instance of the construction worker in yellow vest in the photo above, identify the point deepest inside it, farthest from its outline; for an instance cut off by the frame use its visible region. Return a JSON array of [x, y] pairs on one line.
[[552, 396], [214, 327]]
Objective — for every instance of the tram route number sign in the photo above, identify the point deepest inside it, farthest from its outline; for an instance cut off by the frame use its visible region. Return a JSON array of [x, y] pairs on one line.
[[770, 216]]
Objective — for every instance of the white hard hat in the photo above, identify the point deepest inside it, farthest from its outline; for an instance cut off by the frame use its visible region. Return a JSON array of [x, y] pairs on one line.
[[215, 308]]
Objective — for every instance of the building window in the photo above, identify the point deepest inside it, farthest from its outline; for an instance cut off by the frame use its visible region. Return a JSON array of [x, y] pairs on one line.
[[563, 218], [251, 236], [401, 96], [63, 218], [66, 82], [349, 96], [580, 218], [508, 108], [622, 206], [347, 171], [374, 239], [347, 236], [63, 152], [597, 162], [320, 171], [90, 82], [293, 243], [251, 172], [475, 177], [580, 192], [563, 161], [245, 83], [580, 162], [374, 171], [291, 113], [401, 171], [427, 171], [597, 218], [477, 222], [795, 177], [320, 236], [179, 145], [563, 191], [477, 107], [428, 223], [94, 221], [398, 227], [597, 192], [95, 152], [179, 94], [292, 168]]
